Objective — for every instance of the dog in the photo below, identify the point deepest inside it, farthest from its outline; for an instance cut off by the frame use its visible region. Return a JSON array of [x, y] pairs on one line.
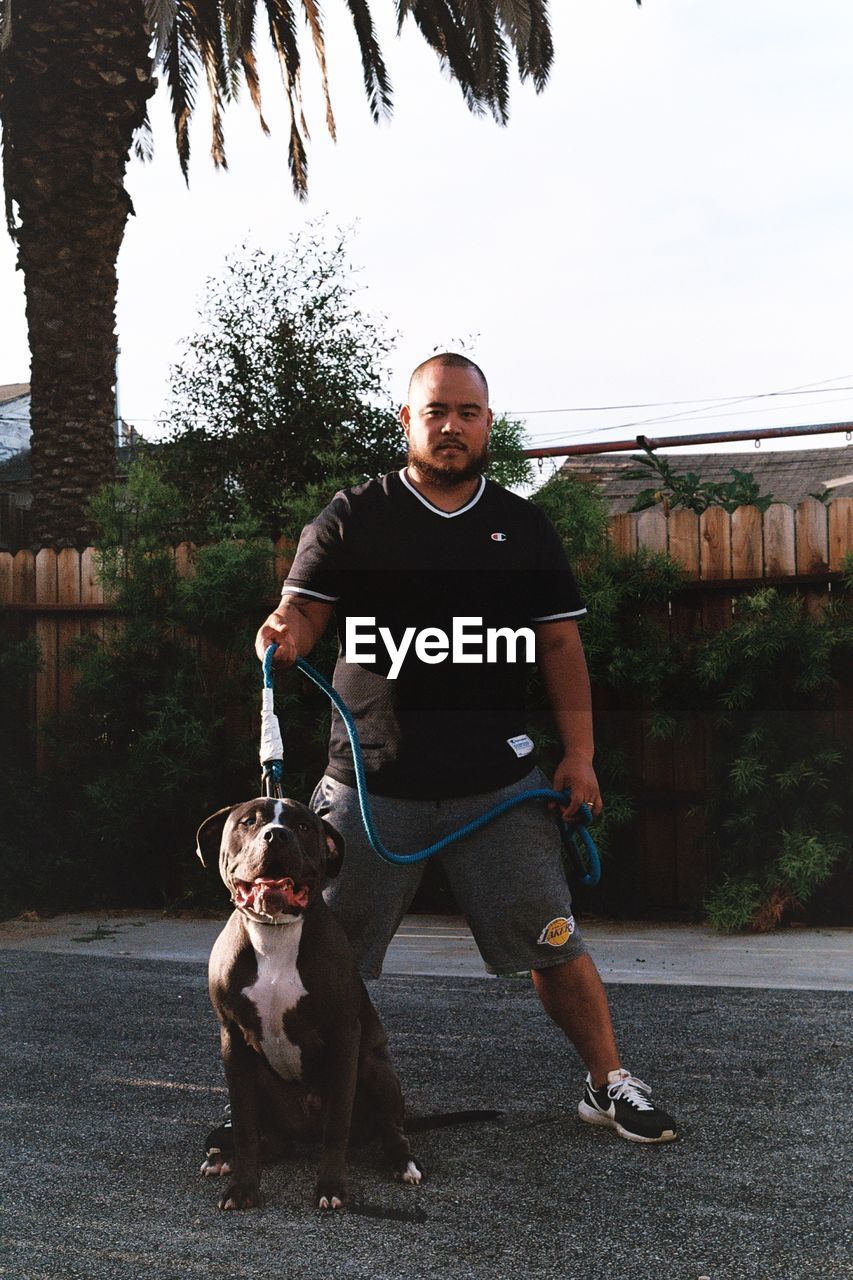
[[304, 1051]]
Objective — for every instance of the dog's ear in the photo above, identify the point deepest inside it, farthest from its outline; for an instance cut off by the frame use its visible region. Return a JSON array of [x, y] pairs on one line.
[[209, 835], [334, 848]]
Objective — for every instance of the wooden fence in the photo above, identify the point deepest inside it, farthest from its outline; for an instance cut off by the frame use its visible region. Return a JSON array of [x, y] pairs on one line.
[[667, 862], [56, 597]]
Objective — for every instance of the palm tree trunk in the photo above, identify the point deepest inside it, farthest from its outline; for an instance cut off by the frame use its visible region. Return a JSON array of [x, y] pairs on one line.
[[75, 76]]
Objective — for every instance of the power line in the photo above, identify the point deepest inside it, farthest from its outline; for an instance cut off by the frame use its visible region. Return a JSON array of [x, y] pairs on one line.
[[698, 418], [713, 402], [803, 388], [658, 404]]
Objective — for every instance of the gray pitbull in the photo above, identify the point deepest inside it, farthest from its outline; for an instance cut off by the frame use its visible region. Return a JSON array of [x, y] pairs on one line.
[[304, 1051]]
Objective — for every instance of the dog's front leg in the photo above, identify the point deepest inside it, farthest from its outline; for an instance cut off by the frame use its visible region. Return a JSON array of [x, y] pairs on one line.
[[342, 1074], [241, 1071]]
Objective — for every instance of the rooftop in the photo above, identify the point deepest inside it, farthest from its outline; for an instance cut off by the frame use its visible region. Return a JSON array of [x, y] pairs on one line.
[[790, 476], [13, 391]]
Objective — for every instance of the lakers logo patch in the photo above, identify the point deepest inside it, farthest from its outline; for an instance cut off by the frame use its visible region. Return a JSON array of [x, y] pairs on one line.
[[557, 932]]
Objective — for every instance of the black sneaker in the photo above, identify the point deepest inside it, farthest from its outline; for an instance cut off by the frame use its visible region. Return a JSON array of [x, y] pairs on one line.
[[623, 1104]]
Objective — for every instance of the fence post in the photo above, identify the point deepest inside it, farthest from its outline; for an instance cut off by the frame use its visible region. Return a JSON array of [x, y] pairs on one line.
[[840, 532], [47, 686], [623, 533], [812, 539], [683, 532], [68, 629], [779, 541], [747, 543]]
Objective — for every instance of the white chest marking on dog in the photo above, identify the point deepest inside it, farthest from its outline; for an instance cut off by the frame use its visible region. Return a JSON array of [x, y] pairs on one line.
[[277, 989]]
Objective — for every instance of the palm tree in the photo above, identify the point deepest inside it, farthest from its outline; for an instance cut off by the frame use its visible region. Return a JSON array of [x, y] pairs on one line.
[[75, 79]]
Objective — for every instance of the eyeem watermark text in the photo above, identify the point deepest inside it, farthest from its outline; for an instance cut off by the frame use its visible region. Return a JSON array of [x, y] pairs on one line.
[[469, 641]]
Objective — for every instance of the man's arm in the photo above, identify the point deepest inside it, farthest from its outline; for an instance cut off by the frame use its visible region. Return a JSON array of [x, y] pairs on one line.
[[559, 654], [295, 626]]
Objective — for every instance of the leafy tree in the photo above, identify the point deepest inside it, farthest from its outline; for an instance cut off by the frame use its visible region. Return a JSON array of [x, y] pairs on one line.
[[282, 388], [507, 464], [75, 79]]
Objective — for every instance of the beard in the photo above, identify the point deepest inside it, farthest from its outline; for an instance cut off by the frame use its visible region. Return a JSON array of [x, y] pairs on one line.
[[447, 473]]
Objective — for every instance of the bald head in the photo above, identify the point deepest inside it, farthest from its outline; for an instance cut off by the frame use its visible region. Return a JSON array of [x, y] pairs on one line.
[[451, 360]]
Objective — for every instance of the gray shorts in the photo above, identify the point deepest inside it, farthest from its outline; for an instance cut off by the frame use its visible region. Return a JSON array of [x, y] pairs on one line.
[[508, 878]]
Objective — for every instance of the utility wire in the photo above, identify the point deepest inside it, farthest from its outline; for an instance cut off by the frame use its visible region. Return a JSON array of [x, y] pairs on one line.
[[804, 389], [705, 417], [657, 404], [713, 402]]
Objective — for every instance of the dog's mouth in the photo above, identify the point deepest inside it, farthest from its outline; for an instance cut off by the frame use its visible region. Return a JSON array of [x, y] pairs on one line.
[[267, 897]]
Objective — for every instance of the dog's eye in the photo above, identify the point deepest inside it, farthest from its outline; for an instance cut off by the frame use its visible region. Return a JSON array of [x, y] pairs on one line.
[[304, 826], [248, 821]]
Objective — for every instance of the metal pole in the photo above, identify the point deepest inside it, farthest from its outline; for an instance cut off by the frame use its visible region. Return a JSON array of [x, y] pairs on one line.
[[673, 442]]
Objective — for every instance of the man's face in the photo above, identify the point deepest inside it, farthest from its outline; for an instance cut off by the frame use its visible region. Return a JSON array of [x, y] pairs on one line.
[[447, 423]]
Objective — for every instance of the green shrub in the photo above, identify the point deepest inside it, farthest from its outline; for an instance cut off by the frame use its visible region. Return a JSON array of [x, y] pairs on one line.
[[780, 806]]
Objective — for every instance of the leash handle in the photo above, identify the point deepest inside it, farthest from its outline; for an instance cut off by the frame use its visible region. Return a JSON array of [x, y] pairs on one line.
[[574, 834], [272, 748], [580, 846]]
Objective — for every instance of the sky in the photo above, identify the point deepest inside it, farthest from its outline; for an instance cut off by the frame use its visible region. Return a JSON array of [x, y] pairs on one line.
[[671, 220]]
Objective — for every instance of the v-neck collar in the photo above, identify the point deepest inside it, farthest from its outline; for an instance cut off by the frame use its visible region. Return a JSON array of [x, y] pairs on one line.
[[430, 506]]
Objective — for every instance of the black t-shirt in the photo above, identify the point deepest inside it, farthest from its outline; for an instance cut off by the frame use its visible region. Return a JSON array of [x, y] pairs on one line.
[[444, 716]]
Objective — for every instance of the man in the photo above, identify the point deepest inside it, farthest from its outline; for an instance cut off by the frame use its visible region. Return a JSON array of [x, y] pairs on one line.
[[412, 564]]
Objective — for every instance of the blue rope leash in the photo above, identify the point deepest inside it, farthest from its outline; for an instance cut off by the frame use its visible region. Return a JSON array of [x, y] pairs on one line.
[[574, 835]]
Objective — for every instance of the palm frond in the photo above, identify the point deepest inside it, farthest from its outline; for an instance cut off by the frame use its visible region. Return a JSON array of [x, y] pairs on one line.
[[478, 39], [253, 84], [238, 28], [526, 25], [207, 29], [143, 141], [498, 82], [315, 26], [298, 160], [180, 63], [440, 26], [540, 47], [160, 18], [238, 23], [377, 85], [283, 33]]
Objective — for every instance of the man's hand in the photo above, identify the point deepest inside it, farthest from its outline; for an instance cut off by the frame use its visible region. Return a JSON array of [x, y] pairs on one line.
[[576, 774], [295, 626], [276, 632]]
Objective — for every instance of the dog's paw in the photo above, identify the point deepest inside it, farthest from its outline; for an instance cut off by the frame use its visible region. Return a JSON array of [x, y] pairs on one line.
[[215, 1165], [326, 1203], [242, 1194], [331, 1193], [412, 1175]]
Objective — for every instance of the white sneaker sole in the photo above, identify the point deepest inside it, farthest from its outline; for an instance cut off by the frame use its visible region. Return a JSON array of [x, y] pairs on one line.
[[591, 1116]]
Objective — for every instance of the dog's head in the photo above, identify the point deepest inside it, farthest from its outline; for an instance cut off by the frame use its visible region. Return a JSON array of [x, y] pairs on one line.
[[274, 856]]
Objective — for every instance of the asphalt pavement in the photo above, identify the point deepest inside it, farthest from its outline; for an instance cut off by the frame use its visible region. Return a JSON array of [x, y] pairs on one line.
[[111, 1080]]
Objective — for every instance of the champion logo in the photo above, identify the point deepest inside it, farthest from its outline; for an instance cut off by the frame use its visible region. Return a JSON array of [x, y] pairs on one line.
[[498, 537]]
